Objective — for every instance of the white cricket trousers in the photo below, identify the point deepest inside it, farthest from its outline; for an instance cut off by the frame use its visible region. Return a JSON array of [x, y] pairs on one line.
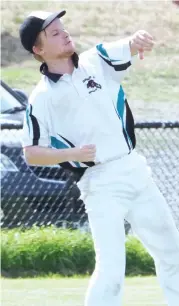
[[124, 189]]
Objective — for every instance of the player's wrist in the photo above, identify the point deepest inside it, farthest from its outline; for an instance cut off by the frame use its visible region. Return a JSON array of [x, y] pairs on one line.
[[132, 46], [70, 154], [73, 154]]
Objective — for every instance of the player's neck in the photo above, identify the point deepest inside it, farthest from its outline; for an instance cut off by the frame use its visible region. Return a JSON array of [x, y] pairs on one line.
[[61, 66]]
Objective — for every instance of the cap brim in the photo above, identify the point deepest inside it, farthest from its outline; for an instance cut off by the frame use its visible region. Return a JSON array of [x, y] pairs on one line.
[[51, 18]]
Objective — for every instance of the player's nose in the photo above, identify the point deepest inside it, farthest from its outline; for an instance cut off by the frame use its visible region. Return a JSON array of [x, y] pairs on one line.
[[66, 34]]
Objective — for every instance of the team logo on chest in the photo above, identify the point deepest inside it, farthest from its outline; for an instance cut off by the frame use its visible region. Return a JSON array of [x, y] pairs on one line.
[[91, 85]]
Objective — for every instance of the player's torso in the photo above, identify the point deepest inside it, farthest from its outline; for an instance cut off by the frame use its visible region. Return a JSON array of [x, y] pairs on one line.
[[83, 111]]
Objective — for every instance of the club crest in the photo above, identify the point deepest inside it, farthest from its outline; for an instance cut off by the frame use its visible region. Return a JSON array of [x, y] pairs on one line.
[[91, 84]]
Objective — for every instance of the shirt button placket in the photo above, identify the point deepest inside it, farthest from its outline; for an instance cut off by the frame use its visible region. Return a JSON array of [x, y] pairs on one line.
[[79, 86]]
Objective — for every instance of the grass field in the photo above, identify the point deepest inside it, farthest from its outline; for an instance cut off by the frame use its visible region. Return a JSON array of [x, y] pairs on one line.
[[138, 291], [154, 79]]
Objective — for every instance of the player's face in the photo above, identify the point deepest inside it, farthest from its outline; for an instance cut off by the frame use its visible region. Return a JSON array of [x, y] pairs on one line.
[[56, 41]]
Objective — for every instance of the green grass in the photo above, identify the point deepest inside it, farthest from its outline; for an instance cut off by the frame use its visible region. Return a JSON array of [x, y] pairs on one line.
[[141, 82], [14, 76], [138, 291]]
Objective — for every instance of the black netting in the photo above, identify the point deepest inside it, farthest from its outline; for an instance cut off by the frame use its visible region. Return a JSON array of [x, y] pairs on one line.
[[159, 143], [48, 195]]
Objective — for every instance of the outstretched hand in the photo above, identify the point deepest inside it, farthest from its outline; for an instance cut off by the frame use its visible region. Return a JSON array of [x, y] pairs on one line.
[[140, 42]]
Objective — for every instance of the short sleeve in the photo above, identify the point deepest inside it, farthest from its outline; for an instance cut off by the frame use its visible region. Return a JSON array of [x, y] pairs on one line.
[[35, 130], [115, 58]]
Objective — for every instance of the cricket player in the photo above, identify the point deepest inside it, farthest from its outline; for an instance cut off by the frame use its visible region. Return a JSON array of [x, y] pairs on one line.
[[78, 116]]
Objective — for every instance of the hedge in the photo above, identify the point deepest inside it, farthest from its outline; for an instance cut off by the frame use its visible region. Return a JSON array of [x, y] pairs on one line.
[[43, 251]]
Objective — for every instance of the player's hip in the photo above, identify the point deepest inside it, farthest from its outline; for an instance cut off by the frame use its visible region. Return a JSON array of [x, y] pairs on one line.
[[129, 172]]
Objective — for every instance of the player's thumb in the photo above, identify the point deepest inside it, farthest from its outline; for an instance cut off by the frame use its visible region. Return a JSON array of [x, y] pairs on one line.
[[141, 54]]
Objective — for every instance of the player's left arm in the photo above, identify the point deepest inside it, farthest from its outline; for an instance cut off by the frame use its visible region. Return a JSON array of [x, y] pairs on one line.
[[116, 57]]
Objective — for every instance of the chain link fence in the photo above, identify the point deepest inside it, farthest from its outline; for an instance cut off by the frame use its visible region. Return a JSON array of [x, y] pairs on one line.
[[48, 195]]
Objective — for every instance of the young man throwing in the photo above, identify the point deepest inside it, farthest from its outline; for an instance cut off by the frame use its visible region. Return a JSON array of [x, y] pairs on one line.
[[78, 116]]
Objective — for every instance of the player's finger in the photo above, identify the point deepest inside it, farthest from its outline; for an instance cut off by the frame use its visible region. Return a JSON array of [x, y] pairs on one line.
[[90, 152], [144, 48], [91, 157], [147, 35], [139, 46], [92, 149], [90, 146], [145, 42], [147, 48]]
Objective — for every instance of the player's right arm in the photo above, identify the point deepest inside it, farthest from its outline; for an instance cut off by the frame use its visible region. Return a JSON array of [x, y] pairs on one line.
[[36, 140], [37, 155]]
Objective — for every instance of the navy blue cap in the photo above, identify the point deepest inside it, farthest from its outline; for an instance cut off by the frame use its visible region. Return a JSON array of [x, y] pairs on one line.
[[34, 24]]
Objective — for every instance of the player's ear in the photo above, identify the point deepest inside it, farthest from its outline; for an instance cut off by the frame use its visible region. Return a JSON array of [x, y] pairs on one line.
[[38, 50], [38, 45]]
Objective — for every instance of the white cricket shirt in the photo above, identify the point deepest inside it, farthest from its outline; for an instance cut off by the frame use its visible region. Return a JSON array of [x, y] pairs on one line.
[[87, 107]]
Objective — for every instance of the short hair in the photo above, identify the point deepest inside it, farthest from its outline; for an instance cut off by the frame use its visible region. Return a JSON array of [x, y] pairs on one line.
[[38, 43]]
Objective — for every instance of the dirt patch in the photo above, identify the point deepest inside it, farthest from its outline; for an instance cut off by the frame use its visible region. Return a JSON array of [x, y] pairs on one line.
[[11, 50], [89, 22], [154, 111]]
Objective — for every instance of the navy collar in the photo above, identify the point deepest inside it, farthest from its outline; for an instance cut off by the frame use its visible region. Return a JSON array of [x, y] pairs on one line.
[[56, 76]]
